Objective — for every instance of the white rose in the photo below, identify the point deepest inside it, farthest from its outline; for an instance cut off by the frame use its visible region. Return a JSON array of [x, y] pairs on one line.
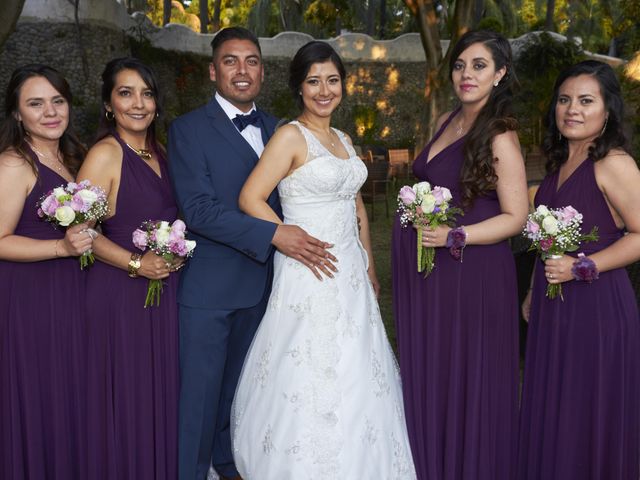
[[65, 215], [446, 193], [422, 188], [88, 196], [191, 244], [59, 192], [162, 235], [542, 210], [428, 203], [550, 225]]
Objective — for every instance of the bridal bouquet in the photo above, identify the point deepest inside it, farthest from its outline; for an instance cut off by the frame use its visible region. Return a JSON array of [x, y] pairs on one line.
[[554, 232], [167, 241], [423, 206], [72, 204]]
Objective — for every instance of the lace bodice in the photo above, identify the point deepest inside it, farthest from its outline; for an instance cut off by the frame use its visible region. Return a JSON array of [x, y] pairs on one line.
[[320, 195], [324, 176]]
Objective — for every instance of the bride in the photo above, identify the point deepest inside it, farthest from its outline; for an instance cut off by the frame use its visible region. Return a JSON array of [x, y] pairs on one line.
[[319, 396]]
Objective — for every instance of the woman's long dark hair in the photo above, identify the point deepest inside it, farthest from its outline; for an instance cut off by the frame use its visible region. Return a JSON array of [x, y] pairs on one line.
[[555, 146], [107, 126], [12, 132], [478, 174]]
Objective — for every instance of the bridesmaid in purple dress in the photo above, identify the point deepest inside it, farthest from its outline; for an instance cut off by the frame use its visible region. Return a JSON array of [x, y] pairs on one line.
[[133, 351], [42, 326], [458, 328], [581, 399]]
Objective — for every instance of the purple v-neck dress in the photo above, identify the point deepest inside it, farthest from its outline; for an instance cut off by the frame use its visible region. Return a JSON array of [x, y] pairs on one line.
[[133, 351], [42, 355], [457, 336], [581, 397]]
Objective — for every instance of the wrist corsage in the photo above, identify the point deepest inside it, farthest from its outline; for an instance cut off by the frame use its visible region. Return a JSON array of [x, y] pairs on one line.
[[456, 241], [584, 269]]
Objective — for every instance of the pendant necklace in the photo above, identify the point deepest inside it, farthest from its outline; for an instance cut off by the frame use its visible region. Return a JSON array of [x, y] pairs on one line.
[[460, 130], [56, 166], [143, 153], [329, 136]]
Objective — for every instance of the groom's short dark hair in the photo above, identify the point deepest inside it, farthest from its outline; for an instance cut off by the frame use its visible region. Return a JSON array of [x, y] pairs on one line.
[[233, 33]]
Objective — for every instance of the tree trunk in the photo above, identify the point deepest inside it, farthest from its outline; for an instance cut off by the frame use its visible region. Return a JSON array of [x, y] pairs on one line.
[[215, 22], [383, 18], [548, 23], [371, 18], [204, 16], [478, 11], [166, 12], [436, 89], [11, 10]]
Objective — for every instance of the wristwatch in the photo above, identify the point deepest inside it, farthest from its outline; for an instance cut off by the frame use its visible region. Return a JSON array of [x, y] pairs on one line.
[[134, 264]]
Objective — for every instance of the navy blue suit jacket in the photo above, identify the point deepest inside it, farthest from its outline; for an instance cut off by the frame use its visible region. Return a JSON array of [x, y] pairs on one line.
[[209, 162]]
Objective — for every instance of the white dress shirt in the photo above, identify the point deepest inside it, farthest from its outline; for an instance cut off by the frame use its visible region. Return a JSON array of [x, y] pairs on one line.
[[251, 133]]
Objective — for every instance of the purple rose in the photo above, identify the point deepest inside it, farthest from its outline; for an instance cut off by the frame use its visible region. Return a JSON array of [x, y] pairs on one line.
[[78, 204], [178, 226], [532, 227], [407, 195], [546, 244], [140, 239], [50, 205], [584, 269], [566, 214]]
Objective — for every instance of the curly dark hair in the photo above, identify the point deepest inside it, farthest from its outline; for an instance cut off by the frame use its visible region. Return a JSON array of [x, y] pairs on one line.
[[555, 146], [12, 133], [478, 174]]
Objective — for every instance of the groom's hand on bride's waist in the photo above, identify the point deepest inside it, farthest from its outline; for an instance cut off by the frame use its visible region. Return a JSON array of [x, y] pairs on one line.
[[294, 242]]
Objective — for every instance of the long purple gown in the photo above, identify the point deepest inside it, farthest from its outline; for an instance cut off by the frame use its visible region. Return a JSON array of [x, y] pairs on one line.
[[133, 351], [581, 395], [457, 334], [42, 356]]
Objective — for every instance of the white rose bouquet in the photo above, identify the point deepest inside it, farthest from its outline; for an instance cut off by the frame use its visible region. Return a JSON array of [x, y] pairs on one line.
[[72, 204], [423, 206], [167, 241], [553, 232]]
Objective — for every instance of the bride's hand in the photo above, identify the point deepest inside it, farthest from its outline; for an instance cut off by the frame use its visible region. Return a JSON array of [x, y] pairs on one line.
[[374, 281]]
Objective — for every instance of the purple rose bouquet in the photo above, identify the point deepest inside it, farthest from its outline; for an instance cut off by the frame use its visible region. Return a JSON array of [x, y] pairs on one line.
[[167, 241], [553, 232], [422, 205], [72, 204]]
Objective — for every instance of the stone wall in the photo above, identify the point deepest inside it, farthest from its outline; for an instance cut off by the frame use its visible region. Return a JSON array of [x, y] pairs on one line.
[[383, 88]]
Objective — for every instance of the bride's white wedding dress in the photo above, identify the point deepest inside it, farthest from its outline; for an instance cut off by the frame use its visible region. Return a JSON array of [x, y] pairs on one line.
[[319, 396]]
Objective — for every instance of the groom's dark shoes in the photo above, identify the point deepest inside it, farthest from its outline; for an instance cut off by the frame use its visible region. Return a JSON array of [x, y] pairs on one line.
[[231, 478]]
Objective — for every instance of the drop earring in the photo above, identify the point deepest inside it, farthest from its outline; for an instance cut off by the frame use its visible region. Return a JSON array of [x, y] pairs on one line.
[[496, 83], [605, 125]]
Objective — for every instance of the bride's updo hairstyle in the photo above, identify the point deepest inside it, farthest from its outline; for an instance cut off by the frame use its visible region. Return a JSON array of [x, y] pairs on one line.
[[478, 175], [310, 53]]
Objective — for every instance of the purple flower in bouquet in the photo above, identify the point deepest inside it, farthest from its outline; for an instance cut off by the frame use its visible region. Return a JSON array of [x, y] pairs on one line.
[[546, 244], [553, 232], [167, 241], [140, 239], [72, 204], [407, 195], [422, 205]]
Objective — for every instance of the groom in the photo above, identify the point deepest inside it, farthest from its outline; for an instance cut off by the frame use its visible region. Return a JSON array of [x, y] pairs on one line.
[[225, 287]]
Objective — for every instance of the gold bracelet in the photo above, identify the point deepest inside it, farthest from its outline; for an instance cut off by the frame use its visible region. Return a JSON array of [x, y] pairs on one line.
[[56, 248], [134, 264]]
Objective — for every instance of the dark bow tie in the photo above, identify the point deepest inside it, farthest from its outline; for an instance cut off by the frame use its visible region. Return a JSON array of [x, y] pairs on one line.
[[242, 121]]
